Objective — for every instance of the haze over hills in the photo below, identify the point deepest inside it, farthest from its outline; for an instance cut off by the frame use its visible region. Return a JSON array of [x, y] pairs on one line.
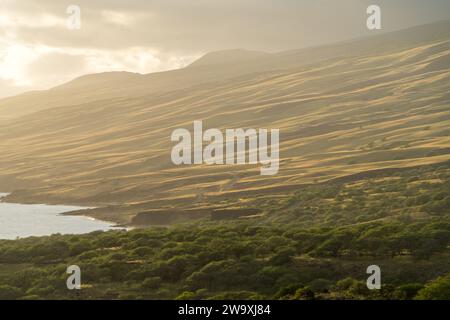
[[104, 140]]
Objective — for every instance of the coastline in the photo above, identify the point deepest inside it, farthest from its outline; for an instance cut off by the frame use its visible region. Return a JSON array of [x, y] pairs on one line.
[[88, 209], [74, 210]]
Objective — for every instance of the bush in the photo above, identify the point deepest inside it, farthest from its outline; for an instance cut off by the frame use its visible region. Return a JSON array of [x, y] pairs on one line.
[[152, 283], [9, 292], [304, 294], [407, 291], [438, 289]]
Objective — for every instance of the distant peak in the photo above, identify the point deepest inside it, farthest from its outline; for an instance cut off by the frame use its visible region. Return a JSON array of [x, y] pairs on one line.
[[102, 78], [228, 56]]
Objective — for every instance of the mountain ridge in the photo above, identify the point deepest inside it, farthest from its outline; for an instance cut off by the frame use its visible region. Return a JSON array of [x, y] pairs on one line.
[[228, 56], [171, 80]]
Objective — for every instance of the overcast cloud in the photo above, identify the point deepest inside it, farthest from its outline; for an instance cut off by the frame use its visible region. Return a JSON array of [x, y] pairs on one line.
[[38, 51]]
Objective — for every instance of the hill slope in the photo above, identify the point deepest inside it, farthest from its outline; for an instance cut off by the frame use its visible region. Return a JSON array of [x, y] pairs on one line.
[[104, 140]]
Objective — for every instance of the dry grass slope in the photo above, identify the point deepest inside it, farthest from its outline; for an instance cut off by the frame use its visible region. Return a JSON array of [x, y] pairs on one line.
[[104, 140]]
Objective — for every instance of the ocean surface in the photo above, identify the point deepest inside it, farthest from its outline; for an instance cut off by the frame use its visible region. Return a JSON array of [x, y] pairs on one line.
[[25, 220]]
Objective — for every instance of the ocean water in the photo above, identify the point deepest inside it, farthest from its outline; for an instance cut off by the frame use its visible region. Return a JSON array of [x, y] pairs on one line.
[[25, 220]]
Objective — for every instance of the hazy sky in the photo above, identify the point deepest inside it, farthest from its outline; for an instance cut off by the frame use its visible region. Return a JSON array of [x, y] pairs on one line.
[[38, 50]]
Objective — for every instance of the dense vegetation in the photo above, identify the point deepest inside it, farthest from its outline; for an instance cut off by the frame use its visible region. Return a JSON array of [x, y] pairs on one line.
[[313, 244]]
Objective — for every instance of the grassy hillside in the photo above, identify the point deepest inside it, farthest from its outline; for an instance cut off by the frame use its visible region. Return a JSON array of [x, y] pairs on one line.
[[377, 103]]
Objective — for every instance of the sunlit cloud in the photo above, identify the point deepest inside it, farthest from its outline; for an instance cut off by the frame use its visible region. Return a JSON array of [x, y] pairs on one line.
[[20, 19], [14, 59], [117, 17]]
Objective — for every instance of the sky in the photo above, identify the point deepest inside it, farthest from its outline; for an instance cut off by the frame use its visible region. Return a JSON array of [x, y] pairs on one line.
[[38, 50]]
